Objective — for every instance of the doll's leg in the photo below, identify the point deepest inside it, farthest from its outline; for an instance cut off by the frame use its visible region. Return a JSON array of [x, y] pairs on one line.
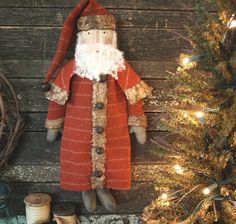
[[90, 200], [106, 198]]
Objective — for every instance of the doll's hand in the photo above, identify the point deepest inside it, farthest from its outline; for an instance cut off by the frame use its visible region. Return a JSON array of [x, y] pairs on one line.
[[52, 134], [140, 134]]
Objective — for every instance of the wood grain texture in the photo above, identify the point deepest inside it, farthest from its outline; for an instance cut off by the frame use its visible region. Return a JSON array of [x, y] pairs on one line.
[[29, 69], [35, 121], [34, 149], [132, 201], [29, 31], [55, 17], [132, 4], [51, 173], [32, 99], [140, 44]]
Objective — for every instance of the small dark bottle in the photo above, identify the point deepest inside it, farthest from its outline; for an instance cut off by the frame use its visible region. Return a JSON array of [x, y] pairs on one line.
[[6, 214]]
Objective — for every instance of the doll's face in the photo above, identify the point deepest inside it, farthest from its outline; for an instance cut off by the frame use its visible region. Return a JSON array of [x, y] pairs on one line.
[[98, 37]]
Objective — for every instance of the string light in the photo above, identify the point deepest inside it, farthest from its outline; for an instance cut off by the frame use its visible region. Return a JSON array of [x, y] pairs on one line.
[[206, 191], [232, 22], [164, 196], [209, 189], [164, 200], [211, 110], [178, 169], [186, 61], [201, 116], [189, 61], [185, 115]]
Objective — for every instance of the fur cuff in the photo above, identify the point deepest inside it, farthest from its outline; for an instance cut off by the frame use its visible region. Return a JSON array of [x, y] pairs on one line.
[[137, 121], [54, 124], [57, 94], [138, 92]]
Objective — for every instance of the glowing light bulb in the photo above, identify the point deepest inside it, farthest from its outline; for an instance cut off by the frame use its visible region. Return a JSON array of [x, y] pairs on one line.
[[178, 169], [201, 116], [164, 196], [209, 189], [185, 61], [206, 191], [186, 115]]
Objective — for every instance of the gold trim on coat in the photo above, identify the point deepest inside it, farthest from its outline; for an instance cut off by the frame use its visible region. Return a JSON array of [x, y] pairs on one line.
[[54, 124], [57, 94], [137, 92], [101, 22], [137, 121], [99, 117]]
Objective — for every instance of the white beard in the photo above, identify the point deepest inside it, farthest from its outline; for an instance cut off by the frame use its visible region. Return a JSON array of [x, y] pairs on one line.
[[92, 60]]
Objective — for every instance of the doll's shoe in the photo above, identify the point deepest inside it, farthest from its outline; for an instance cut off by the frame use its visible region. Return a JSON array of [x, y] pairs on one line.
[[106, 198], [90, 200]]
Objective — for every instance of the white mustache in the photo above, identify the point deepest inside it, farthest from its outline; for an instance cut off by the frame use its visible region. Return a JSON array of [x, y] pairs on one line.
[[94, 60]]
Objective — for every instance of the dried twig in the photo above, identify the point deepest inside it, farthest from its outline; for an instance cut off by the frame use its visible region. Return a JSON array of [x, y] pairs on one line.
[[11, 126]]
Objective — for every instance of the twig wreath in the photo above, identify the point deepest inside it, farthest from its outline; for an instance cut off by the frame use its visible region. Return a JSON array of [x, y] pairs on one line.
[[12, 124]]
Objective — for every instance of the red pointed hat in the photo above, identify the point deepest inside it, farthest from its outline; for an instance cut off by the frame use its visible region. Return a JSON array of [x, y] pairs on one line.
[[87, 15]]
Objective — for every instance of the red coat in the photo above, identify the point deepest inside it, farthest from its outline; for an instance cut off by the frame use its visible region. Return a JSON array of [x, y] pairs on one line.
[[95, 116]]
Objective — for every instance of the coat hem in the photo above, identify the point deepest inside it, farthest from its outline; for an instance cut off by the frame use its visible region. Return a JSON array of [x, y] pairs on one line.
[[64, 187]]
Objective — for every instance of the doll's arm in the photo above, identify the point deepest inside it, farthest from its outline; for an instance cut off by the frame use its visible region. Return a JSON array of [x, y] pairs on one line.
[[137, 121], [135, 90], [136, 114], [58, 96], [55, 120]]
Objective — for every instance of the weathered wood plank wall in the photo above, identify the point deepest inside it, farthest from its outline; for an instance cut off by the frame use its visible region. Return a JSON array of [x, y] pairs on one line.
[[29, 30]]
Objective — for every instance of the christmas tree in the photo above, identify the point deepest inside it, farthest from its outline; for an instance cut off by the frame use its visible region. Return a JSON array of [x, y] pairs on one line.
[[197, 185]]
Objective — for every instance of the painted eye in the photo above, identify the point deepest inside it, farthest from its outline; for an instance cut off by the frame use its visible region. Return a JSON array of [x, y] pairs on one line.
[[104, 32], [88, 33]]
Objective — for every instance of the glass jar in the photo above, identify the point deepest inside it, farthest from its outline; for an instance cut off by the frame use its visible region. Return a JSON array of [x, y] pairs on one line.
[[6, 214]]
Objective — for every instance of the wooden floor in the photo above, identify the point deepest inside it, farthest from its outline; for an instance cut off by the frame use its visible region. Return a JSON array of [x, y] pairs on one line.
[[149, 34]]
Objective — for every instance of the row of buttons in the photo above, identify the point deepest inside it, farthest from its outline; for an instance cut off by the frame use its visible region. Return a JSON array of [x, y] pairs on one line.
[[99, 129], [99, 173]]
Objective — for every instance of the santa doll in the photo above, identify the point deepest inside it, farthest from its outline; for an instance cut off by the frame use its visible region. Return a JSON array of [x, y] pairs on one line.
[[96, 97]]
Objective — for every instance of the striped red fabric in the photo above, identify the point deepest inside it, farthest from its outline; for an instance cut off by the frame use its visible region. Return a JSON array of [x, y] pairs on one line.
[[55, 111], [69, 30], [67, 38], [136, 109], [75, 155]]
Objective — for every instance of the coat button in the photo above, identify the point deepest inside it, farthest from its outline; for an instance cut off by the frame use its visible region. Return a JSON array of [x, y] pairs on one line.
[[99, 150], [98, 173], [99, 130], [46, 86], [100, 105], [103, 78]]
